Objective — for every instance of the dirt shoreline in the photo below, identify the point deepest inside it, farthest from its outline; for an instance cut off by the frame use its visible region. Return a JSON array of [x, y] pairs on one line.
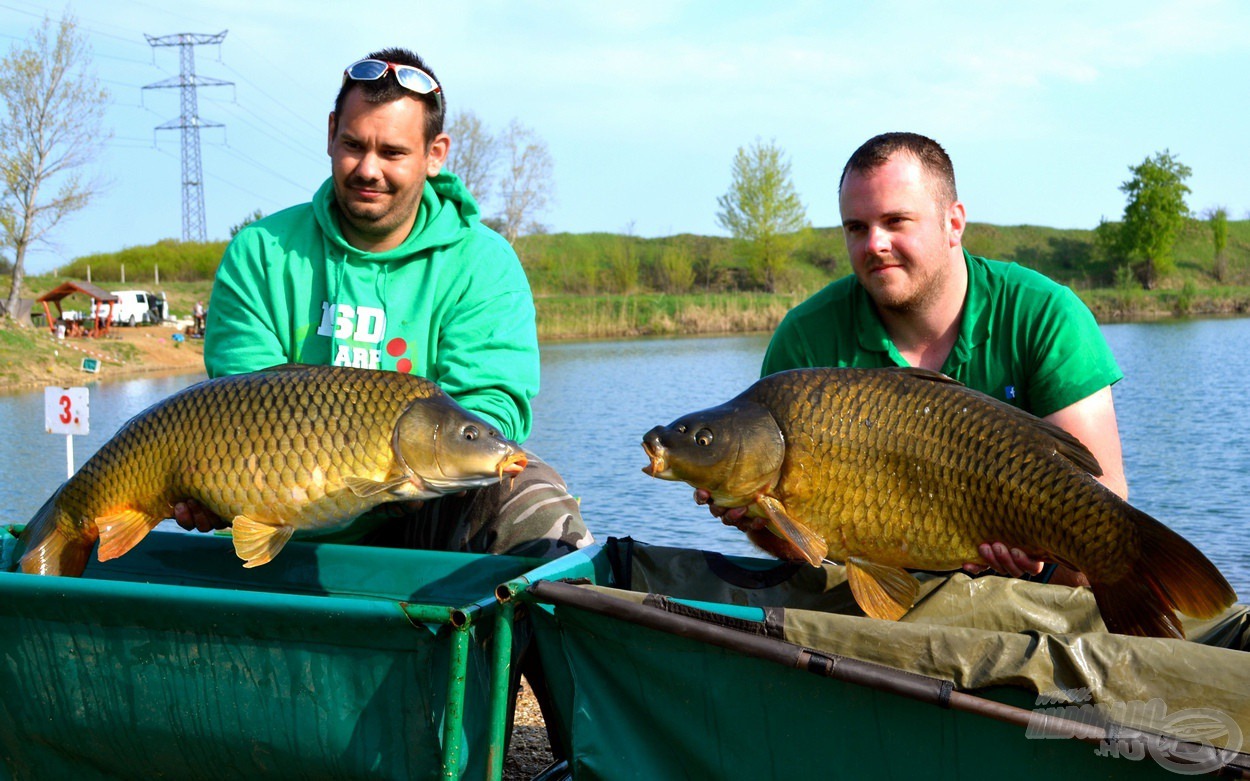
[[155, 352]]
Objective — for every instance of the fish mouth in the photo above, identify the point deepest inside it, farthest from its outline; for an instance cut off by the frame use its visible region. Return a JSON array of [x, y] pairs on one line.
[[656, 453], [513, 464]]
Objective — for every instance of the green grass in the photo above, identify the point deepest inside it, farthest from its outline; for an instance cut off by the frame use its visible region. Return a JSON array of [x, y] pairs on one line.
[[652, 314], [24, 348], [592, 285]]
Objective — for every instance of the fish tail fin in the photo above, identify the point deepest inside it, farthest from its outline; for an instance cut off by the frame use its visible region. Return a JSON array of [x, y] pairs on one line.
[[1170, 573], [1188, 578], [49, 550]]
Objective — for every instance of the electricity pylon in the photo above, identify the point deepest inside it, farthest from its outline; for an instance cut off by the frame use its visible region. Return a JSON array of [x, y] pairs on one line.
[[189, 123]]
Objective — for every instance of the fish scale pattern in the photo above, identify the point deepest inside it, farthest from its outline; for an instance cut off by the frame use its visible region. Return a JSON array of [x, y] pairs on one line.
[[916, 472], [273, 445]]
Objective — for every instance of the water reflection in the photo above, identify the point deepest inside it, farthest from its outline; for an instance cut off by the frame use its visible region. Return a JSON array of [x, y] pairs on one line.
[[34, 461], [597, 401], [1185, 427]]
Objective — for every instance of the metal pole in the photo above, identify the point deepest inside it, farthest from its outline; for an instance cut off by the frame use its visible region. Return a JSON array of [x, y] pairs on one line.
[[501, 687], [933, 691], [453, 713], [69, 455]]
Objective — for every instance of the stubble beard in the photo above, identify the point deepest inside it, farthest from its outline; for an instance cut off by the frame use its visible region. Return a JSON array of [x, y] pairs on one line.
[[377, 219], [923, 286]]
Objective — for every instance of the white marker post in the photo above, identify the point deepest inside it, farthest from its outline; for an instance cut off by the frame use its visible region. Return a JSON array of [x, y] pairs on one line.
[[65, 412]]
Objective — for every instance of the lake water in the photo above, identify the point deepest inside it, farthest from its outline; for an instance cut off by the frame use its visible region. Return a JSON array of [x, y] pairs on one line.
[[1183, 414]]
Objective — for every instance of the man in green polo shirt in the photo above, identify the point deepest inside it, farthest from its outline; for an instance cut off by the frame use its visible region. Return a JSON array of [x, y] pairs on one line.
[[918, 298]]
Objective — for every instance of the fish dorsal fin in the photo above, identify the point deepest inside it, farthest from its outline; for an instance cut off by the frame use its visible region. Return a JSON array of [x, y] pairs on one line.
[[927, 374], [257, 543], [122, 530], [287, 367], [796, 533], [364, 488], [880, 590], [1065, 444]]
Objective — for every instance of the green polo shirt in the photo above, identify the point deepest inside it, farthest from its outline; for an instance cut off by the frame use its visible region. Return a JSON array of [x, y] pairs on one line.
[[1024, 338]]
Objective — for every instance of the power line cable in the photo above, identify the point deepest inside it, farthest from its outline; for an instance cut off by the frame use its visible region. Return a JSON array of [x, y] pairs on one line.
[[233, 152], [298, 116], [288, 143]]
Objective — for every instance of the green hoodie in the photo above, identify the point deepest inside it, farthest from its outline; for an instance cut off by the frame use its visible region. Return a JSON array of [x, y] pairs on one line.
[[451, 303]]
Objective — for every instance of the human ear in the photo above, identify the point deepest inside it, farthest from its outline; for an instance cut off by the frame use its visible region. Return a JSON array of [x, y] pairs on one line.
[[436, 156], [956, 220]]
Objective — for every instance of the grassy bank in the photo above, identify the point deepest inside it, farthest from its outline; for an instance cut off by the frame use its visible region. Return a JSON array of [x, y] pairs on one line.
[[28, 355], [600, 285], [570, 317], [600, 317], [1120, 305]]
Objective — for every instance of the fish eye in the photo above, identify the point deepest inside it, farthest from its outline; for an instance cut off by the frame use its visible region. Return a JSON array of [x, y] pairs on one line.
[[703, 438], [470, 432]]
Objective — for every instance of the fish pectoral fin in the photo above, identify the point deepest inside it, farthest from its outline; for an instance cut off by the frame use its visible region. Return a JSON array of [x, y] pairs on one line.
[[363, 487], [880, 590], [122, 530], [811, 544], [257, 543]]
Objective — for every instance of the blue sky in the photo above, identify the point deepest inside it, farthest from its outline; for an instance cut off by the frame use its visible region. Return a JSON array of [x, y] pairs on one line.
[[1042, 106]]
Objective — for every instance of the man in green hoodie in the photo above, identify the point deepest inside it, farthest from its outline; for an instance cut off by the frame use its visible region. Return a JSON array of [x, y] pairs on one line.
[[389, 267]]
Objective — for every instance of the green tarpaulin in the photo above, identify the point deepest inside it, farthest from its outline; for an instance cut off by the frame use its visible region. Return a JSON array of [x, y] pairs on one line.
[[173, 661], [634, 702]]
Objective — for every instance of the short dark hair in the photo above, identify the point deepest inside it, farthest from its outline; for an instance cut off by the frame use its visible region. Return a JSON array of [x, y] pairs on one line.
[[876, 151], [386, 89]]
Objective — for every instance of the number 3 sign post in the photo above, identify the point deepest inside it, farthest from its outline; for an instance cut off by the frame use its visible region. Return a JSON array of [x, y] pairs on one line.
[[65, 412]]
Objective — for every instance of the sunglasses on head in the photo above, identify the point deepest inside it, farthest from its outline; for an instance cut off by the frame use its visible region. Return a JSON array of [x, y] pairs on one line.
[[409, 77]]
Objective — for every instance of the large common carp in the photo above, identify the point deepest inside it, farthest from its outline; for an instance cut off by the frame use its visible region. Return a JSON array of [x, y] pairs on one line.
[[889, 468], [293, 448]]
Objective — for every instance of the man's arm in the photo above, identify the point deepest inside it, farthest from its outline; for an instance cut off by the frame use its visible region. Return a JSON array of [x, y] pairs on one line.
[[488, 357], [787, 349], [488, 360], [1092, 421], [240, 335]]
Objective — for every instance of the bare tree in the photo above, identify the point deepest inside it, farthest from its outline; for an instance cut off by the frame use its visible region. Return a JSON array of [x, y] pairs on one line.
[[52, 126], [474, 153], [527, 179]]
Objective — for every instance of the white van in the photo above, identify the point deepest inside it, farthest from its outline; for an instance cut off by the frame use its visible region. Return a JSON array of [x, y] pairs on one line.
[[134, 307]]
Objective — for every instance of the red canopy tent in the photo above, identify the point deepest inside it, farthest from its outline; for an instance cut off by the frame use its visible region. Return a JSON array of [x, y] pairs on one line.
[[74, 327]]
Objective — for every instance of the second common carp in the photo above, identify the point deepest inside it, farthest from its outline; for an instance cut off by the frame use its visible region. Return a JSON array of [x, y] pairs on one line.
[[886, 469], [293, 448]]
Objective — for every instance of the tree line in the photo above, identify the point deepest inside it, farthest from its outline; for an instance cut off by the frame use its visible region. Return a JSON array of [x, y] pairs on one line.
[[764, 214]]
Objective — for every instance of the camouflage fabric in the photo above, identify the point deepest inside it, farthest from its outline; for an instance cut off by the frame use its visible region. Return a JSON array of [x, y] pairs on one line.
[[533, 515]]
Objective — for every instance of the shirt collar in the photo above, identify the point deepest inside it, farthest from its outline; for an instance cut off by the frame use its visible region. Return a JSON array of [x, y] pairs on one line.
[[869, 329], [973, 327]]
